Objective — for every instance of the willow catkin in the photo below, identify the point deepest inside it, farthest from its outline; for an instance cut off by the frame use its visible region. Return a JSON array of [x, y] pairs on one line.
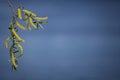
[[41, 18], [20, 47], [19, 25], [6, 41], [13, 32], [13, 60], [19, 13], [31, 22], [27, 12], [27, 22]]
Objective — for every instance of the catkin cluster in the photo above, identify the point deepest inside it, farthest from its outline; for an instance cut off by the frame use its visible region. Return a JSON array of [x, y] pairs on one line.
[[31, 20]]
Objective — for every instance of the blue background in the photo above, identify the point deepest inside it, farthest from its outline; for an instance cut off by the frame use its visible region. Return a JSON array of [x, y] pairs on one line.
[[80, 42]]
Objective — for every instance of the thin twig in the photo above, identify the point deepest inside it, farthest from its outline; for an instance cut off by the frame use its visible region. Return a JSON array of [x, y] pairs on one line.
[[13, 20], [11, 7]]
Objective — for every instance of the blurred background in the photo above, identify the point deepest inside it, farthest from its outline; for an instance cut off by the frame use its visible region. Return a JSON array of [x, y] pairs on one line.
[[80, 42]]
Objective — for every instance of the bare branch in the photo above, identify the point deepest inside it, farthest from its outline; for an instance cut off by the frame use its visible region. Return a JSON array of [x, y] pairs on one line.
[[11, 7]]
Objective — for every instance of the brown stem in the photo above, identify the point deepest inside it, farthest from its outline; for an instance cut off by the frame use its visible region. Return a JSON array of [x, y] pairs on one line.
[[11, 7]]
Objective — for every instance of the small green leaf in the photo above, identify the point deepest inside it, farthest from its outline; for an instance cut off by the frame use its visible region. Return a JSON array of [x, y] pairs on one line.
[[43, 22]]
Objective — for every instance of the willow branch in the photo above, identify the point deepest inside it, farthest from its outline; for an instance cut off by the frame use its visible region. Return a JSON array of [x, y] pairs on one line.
[[11, 7]]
